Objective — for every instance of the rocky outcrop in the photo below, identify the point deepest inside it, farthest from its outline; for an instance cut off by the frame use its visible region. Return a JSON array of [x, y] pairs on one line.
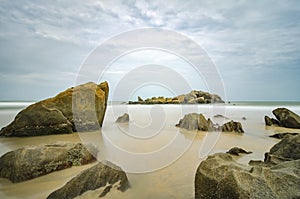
[[78, 108], [34, 161], [195, 121], [284, 118], [282, 135], [220, 176], [236, 151], [101, 175], [194, 97], [123, 119]]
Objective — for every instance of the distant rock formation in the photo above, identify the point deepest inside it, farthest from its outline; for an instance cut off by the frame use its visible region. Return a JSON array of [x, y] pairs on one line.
[[34, 161], [123, 119], [194, 97], [56, 115], [195, 121], [284, 118], [105, 175], [220, 176]]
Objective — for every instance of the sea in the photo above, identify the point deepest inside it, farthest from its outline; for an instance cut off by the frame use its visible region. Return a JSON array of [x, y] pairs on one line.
[[159, 158]]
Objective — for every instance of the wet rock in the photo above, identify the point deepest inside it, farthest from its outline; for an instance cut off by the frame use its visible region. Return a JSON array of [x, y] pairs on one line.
[[221, 116], [287, 118], [282, 135], [232, 126], [278, 176], [93, 178], [123, 119], [271, 121], [34, 161], [220, 176], [236, 151], [78, 108]]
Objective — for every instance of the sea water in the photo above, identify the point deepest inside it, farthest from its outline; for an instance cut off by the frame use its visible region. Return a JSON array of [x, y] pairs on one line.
[[159, 158]]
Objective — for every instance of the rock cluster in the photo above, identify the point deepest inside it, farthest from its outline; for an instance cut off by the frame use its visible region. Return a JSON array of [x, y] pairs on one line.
[[195, 121], [194, 97], [78, 108], [220, 176], [284, 118], [98, 176], [34, 161]]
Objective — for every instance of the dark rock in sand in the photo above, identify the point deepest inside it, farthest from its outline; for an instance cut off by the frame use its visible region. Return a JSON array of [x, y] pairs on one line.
[[244, 118], [236, 151], [91, 179], [232, 126], [220, 116], [34, 161], [55, 115], [282, 135], [123, 119], [287, 118], [220, 176]]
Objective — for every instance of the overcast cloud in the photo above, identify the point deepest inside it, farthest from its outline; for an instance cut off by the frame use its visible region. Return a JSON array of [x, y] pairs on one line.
[[254, 44]]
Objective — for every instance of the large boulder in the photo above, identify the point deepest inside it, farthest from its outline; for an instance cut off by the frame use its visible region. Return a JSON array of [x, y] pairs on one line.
[[220, 176], [34, 161], [78, 108], [98, 176], [287, 118], [284, 118]]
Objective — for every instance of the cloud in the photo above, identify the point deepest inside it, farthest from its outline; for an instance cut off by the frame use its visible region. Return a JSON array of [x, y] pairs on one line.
[[244, 39]]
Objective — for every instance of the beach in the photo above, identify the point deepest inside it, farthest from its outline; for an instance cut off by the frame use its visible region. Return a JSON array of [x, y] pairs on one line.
[[169, 155]]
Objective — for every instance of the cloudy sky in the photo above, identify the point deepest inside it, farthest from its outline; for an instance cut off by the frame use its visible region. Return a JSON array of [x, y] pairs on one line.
[[255, 45]]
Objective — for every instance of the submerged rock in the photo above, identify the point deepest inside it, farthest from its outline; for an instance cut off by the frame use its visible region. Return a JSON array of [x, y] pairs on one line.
[[56, 115], [34, 161], [91, 179], [220, 176], [284, 118], [123, 119], [282, 135], [236, 151]]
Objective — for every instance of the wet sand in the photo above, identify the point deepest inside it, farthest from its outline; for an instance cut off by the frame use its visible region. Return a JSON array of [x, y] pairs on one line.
[[182, 151]]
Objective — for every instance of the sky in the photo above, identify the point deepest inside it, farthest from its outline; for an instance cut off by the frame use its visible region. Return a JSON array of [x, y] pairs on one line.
[[254, 46]]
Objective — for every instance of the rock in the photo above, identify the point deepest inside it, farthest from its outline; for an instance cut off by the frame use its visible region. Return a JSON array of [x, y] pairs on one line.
[[287, 118], [56, 115], [220, 176], [194, 97], [271, 121], [221, 116], [123, 119], [282, 135], [140, 99], [34, 161], [232, 126], [93, 178], [236, 151], [288, 147], [194, 121], [244, 118]]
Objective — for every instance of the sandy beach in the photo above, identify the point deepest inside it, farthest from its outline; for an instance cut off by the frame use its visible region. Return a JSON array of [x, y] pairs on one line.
[[164, 175]]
